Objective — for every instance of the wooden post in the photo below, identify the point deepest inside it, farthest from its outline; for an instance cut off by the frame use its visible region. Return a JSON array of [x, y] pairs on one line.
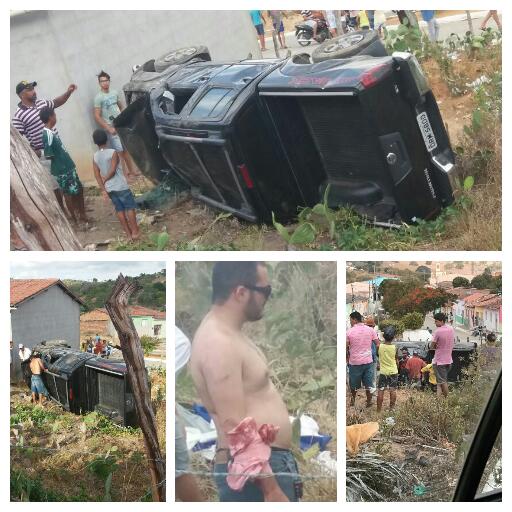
[[117, 308], [37, 221]]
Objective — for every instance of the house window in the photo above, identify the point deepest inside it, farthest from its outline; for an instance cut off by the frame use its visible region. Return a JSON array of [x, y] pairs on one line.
[[157, 329]]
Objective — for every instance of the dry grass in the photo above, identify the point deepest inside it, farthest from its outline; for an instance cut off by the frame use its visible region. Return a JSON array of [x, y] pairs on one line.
[[59, 452]]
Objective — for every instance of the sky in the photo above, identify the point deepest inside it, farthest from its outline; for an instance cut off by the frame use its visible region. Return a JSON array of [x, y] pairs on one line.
[[83, 270]]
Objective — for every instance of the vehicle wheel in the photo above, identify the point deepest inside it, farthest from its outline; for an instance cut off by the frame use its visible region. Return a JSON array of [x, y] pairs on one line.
[[303, 38], [181, 56], [149, 66], [361, 42]]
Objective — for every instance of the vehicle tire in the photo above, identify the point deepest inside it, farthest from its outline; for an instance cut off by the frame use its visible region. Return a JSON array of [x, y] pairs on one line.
[[302, 34], [149, 66], [361, 42], [180, 56]]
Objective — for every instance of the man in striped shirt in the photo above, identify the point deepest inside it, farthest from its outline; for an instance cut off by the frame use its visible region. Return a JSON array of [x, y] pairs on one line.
[[27, 121]]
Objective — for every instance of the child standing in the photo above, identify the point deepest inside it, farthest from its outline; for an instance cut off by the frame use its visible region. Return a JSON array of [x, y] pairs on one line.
[[112, 183], [431, 376], [62, 167], [388, 377]]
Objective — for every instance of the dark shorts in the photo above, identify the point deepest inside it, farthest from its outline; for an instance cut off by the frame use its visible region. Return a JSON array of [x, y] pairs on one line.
[[37, 385], [281, 461], [69, 183], [281, 27], [259, 29], [441, 371], [361, 373], [388, 381], [123, 200]]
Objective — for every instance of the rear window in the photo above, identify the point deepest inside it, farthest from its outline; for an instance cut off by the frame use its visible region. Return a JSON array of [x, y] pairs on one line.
[[213, 103]]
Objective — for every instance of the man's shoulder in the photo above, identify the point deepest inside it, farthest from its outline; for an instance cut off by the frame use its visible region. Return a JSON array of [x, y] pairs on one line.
[[210, 338], [99, 97], [40, 104]]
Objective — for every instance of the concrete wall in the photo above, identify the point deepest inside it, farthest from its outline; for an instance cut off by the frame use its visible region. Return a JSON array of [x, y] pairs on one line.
[[161, 334], [57, 48], [51, 315], [143, 325]]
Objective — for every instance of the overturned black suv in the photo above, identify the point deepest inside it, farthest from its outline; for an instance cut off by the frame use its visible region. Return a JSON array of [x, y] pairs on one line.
[[81, 382], [258, 137]]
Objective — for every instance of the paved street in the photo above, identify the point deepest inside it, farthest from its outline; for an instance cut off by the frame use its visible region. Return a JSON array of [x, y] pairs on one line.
[[461, 333], [452, 24]]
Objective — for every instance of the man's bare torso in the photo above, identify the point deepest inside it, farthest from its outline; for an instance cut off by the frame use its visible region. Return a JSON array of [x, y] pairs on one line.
[[260, 398], [36, 366]]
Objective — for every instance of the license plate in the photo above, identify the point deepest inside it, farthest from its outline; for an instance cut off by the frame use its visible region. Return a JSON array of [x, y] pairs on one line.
[[426, 131]]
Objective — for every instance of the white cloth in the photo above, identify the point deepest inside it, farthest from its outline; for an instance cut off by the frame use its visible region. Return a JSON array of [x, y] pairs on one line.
[[182, 350], [24, 354]]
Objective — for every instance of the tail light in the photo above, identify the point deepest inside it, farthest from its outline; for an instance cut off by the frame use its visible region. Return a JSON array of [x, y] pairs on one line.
[[372, 76], [70, 394], [244, 171]]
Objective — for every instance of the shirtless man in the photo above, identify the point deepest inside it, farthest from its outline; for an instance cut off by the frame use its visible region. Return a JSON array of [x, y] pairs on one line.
[[232, 378], [36, 383]]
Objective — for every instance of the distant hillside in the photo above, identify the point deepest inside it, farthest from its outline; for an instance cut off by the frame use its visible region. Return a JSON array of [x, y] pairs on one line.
[[94, 293]]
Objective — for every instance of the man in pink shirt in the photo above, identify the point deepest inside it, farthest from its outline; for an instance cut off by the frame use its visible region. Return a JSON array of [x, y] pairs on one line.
[[359, 357], [444, 339]]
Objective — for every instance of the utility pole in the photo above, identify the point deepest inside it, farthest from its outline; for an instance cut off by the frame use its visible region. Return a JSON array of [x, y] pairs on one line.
[[470, 22]]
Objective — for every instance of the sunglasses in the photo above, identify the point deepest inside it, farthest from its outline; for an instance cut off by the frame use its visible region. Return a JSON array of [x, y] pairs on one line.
[[264, 290]]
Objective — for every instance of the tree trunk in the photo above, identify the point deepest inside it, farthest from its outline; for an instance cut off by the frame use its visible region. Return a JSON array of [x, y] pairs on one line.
[[470, 21], [117, 307], [37, 221]]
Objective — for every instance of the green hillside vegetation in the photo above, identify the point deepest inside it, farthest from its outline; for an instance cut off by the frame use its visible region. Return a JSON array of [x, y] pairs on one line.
[[94, 293]]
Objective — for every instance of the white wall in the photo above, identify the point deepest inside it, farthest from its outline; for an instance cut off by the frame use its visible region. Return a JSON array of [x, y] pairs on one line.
[[56, 48]]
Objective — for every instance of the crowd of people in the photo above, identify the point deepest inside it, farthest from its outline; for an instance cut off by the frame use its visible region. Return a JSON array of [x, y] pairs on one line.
[[367, 355], [352, 20], [36, 120], [98, 346]]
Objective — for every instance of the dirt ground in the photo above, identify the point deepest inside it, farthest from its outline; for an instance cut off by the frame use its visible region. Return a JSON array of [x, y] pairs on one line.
[[431, 465], [191, 225], [59, 451]]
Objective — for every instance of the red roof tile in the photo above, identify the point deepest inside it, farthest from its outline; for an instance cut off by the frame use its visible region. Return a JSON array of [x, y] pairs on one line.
[[95, 315], [22, 289], [101, 313], [143, 311]]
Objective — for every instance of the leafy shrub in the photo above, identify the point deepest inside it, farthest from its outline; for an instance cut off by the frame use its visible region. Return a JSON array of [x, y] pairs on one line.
[[149, 343], [39, 416], [397, 324], [413, 320]]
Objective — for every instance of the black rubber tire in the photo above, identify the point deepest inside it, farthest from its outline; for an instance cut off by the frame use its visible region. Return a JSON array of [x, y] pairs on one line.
[[361, 42], [301, 58], [302, 34], [180, 56]]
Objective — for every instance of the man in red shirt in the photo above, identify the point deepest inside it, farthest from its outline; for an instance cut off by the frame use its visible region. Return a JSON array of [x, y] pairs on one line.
[[414, 366]]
